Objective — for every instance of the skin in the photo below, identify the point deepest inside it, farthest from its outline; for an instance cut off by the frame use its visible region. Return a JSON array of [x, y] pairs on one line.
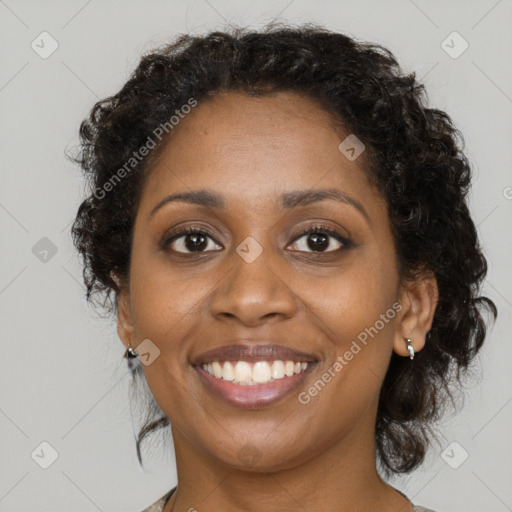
[[318, 456]]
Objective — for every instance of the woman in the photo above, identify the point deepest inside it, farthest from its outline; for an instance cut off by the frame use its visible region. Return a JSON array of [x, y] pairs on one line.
[[280, 225]]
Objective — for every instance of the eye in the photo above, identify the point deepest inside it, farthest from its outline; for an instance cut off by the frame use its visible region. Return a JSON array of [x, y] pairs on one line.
[[321, 239], [190, 240]]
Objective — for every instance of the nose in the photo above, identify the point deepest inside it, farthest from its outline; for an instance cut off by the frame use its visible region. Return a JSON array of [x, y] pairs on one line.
[[253, 292]]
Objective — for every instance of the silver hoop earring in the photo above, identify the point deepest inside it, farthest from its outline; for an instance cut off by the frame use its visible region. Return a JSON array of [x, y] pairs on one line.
[[410, 348], [130, 353]]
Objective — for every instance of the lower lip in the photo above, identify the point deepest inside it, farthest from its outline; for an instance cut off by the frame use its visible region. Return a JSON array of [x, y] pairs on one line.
[[253, 396]]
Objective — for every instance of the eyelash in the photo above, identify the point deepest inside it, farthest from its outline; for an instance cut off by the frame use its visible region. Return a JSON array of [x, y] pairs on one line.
[[325, 230], [307, 231]]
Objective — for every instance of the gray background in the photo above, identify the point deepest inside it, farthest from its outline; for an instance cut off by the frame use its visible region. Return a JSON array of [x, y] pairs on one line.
[[63, 380]]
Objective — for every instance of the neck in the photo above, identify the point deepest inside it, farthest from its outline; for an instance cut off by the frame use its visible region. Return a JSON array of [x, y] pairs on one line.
[[340, 478]]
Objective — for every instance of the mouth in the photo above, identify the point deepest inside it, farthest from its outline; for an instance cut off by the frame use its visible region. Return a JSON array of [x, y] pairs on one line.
[[253, 376]]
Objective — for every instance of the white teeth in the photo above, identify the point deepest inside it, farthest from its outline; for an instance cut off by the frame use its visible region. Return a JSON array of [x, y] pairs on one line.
[[260, 372], [243, 372], [217, 370], [289, 368], [278, 369], [227, 371]]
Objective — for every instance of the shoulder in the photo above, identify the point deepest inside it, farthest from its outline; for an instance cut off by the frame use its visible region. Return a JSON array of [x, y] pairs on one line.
[[158, 506], [415, 508]]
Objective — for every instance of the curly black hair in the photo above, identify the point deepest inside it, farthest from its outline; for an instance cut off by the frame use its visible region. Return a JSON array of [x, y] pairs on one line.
[[414, 156]]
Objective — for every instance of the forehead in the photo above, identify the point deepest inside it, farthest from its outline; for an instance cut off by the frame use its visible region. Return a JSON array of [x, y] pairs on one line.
[[253, 148]]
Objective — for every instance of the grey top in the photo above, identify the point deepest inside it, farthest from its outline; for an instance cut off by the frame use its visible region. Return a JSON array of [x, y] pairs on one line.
[[158, 506]]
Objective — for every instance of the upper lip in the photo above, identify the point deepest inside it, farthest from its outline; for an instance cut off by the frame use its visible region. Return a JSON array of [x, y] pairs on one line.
[[253, 352]]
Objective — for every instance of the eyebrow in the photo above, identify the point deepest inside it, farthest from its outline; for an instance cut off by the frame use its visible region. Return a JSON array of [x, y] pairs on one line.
[[288, 200]]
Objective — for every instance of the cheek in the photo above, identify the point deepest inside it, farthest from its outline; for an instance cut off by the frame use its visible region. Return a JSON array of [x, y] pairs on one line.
[[356, 312], [163, 298], [353, 300], [165, 311]]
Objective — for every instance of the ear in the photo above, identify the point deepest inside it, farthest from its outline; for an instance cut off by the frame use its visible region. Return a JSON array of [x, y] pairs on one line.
[[419, 299], [125, 327]]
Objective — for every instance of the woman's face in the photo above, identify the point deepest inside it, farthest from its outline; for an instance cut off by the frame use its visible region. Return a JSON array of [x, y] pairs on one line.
[[252, 278]]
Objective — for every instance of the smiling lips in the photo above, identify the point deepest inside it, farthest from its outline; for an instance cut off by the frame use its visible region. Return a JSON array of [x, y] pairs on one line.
[[253, 376]]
